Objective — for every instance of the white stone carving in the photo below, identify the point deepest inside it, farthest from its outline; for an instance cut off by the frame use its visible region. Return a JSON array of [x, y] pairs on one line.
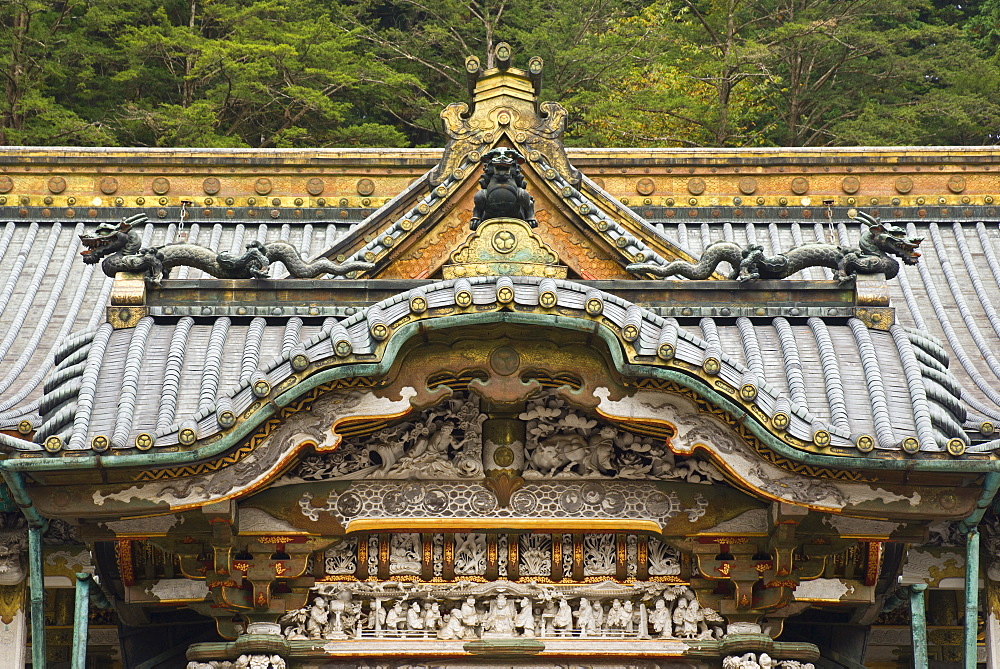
[[404, 553], [535, 555], [762, 661], [13, 545], [343, 558], [663, 560], [564, 442], [599, 554], [470, 554], [501, 609], [499, 620], [443, 442], [259, 662]]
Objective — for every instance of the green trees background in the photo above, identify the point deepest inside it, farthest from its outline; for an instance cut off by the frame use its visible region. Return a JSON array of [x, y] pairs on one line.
[[313, 73]]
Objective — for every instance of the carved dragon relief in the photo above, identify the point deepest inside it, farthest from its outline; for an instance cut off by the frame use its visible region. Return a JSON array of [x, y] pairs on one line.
[[879, 242], [118, 247]]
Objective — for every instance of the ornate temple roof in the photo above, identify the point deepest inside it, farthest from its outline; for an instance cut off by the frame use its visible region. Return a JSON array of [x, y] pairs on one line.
[[947, 332]]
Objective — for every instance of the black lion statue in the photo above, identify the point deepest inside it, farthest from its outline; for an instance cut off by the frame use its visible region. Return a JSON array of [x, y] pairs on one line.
[[503, 193]]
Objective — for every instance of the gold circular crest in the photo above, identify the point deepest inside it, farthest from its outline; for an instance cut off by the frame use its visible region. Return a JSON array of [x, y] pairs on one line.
[[503, 456], [504, 241]]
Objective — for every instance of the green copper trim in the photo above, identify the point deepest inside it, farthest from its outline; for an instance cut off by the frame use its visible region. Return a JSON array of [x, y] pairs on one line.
[[36, 585], [401, 335], [36, 579], [918, 623], [971, 598], [80, 621]]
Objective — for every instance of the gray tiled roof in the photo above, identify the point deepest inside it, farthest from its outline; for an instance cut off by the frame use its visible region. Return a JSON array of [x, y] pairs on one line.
[[843, 377]]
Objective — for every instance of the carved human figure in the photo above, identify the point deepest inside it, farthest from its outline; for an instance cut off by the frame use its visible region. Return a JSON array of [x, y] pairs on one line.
[[432, 618], [615, 620], [525, 620], [470, 618], [414, 618], [680, 613], [562, 623], [395, 617], [584, 617], [628, 617], [453, 627], [692, 616], [597, 619], [318, 618], [500, 618], [13, 544], [660, 620]]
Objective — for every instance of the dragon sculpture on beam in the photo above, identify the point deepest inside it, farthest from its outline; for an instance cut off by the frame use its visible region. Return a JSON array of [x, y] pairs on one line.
[[119, 249], [874, 255]]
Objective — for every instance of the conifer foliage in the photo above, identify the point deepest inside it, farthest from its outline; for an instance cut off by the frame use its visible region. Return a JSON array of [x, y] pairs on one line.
[[314, 73]]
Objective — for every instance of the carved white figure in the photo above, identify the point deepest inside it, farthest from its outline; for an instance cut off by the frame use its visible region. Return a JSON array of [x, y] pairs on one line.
[[404, 553], [453, 628], [692, 616], [765, 661], [470, 617], [432, 618], [628, 617], [395, 617], [660, 619], [525, 620], [680, 614], [499, 621], [562, 623], [615, 620], [597, 620], [414, 618], [584, 617], [318, 618]]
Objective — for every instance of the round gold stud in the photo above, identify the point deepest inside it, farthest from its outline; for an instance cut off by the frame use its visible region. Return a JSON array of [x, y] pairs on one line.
[[821, 438], [418, 304], [780, 420], [144, 441], [187, 436], [53, 444], [748, 392], [712, 366], [100, 443], [865, 443], [956, 447], [665, 351], [911, 445]]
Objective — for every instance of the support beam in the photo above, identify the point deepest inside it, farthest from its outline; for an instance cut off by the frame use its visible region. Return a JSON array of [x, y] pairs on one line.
[[80, 621], [971, 598], [37, 595], [918, 623]]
